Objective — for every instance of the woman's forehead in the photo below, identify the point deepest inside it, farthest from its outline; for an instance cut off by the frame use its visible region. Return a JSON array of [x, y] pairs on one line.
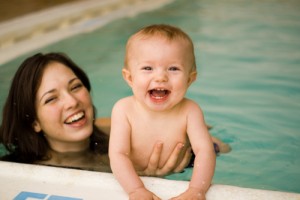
[[54, 74]]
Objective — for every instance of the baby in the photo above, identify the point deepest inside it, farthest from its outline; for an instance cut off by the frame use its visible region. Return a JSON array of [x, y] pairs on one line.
[[159, 67]]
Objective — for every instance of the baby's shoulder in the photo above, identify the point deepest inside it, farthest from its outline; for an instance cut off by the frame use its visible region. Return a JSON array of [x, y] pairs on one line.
[[189, 103], [124, 102], [191, 107]]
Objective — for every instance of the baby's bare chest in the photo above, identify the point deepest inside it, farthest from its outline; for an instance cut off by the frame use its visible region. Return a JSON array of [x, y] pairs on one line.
[[146, 133]]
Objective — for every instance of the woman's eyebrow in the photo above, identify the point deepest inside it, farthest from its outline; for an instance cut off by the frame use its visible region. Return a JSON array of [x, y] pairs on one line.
[[50, 91], [73, 79]]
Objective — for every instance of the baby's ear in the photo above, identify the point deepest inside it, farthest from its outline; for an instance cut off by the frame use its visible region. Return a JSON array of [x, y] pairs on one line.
[[192, 77], [36, 126], [127, 76]]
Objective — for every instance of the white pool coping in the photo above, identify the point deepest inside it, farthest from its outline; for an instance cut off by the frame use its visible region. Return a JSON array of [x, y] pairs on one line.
[[80, 184], [33, 31]]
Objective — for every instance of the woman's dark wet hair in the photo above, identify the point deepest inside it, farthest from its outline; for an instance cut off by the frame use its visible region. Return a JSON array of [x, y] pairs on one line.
[[19, 113]]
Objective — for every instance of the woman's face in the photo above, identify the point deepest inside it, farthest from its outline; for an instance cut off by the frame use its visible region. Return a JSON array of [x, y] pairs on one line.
[[64, 109]]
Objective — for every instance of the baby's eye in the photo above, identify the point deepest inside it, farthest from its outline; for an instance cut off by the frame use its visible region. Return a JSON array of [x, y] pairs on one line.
[[174, 68], [147, 68]]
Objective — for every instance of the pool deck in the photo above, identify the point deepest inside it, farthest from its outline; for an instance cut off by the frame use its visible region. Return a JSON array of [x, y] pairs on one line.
[[41, 28], [9, 10], [35, 30]]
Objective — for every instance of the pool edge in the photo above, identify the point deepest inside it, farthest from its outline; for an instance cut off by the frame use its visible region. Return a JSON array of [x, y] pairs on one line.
[[25, 179]]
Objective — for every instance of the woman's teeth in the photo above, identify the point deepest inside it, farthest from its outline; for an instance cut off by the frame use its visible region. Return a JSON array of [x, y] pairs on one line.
[[74, 118]]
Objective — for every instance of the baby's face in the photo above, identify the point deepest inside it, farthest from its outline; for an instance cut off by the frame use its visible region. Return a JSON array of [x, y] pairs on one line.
[[160, 71]]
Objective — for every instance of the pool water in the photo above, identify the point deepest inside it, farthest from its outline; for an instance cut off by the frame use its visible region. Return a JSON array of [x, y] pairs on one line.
[[248, 57]]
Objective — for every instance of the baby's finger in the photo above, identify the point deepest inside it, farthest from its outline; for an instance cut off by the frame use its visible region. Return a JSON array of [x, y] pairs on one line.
[[156, 197]]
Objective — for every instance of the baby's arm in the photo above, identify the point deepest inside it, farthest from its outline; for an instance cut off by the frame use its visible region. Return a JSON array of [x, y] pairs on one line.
[[205, 160], [119, 152]]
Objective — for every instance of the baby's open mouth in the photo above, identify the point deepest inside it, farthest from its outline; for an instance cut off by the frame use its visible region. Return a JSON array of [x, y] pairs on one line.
[[159, 93], [75, 118]]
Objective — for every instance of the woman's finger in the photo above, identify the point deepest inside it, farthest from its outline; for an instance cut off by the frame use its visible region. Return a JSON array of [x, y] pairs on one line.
[[171, 163], [152, 168], [185, 161], [155, 156]]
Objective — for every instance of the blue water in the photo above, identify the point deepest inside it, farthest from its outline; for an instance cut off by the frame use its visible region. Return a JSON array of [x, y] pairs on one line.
[[248, 57]]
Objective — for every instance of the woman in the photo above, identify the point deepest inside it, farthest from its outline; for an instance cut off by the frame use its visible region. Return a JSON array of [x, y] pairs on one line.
[[48, 119]]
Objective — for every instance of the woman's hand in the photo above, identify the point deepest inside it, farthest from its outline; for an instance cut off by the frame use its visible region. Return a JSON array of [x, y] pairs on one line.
[[175, 163]]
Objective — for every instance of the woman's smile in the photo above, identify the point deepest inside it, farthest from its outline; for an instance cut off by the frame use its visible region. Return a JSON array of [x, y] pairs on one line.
[[76, 119]]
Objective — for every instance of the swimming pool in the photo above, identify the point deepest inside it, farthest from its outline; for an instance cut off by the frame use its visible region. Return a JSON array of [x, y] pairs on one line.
[[248, 57]]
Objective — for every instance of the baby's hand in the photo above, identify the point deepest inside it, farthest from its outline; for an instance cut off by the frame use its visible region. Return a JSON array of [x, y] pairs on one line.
[[142, 194], [191, 194]]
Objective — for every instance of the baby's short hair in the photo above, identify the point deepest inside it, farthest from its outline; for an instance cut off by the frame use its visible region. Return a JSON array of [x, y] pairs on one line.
[[168, 31], [163, 30]]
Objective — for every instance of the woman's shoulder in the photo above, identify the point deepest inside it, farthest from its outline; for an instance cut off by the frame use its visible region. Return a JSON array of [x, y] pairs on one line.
[[11, 157]]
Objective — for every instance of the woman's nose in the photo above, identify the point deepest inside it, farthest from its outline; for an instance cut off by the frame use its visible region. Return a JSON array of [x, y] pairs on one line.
[[70, 101]]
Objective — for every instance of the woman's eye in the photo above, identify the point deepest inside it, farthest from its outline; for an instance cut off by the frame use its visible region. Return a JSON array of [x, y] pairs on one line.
[[147, 68], [76, 86], [49, 100]]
